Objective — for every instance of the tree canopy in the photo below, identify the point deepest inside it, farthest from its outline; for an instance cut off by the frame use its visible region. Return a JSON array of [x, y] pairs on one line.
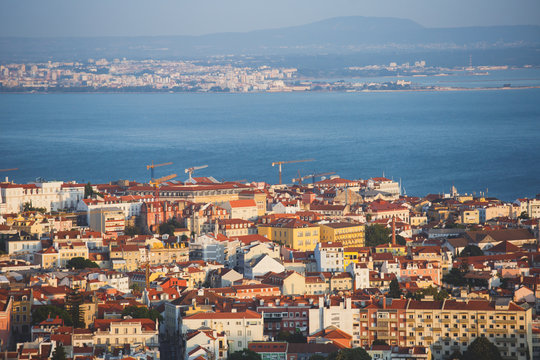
[[42, 313], [430, 291], [377, 234], [27, 206], [74, 301], [169, 226], [471, 250], [245, 354], [395, 291], [295, 337], [481, 349], [350, 354], [455, 277], [81, 263], [59, 353], [142, 312]]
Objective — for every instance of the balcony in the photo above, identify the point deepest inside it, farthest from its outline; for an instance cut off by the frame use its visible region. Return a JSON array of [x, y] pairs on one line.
[[446, 321], [503, 339], [505, 322], [437, 347], [379, 327]]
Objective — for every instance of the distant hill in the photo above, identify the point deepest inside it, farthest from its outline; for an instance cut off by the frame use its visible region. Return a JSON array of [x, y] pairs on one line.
[[342, 35]]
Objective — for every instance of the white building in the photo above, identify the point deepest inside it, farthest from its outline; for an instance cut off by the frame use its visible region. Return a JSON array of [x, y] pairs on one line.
[[343, 316], [114, 279], [261, 266], [360, 274], [23, 248], [130, 205], [329, 256], [119, 332], [245, 209], [240, 327], [52, 196]]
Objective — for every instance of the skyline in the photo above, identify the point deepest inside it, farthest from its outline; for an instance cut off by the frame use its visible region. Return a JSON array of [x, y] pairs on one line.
[[137, 18]]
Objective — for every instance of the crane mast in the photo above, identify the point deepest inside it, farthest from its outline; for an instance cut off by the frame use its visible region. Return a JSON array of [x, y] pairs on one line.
[[279, 163]]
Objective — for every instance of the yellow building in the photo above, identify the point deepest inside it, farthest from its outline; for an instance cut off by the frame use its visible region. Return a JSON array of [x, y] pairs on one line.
[[469, 216], [21, 316], [294, 233], [127, 257], [354, 255], [349, 234], [396, 250], [167, 254]]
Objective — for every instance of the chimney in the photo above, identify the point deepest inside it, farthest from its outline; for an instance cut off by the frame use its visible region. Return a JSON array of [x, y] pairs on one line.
[[394, 230], [384, 302]]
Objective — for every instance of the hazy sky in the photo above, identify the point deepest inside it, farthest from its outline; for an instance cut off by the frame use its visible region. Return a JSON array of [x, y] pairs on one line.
[[194, 17]]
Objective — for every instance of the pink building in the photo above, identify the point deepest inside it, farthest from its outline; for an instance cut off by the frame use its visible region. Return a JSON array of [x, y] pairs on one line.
[[421, 268], [5, 322]]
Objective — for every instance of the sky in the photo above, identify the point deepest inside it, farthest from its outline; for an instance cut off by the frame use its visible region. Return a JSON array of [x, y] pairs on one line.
[[52, 18]]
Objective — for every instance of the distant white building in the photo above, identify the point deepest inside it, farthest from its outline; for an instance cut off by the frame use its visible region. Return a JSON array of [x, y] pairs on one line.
[[52, 196]]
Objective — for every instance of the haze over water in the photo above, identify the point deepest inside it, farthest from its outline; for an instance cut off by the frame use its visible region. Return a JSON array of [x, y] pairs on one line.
[[431, 140]]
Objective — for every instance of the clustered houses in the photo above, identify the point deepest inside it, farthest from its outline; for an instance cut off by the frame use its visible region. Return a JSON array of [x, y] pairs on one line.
[[340, 263]]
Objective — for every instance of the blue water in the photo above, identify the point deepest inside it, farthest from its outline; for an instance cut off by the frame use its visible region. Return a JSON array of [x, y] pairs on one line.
[[431, 140]]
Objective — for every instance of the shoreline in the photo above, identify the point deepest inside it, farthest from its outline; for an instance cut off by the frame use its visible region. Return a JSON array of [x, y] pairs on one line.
[[436, 89]]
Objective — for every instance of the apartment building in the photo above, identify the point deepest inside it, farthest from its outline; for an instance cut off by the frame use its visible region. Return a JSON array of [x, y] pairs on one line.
[[294, 233], [240, 327], [119, 332], [349, 234], [444, 326]]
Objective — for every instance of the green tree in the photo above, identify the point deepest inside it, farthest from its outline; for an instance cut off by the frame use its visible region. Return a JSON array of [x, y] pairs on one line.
[[169, 227], [88, 190], [42, 313], [471, 250], [524, 215], [456, 355], [27, 206], [377, 235], [74, 301], [455, 277], [59, 353], [245, 354], [481, 349], [352, 354], [317, 357], [142, 312], [395, 291], [81, 263], [296, 337], [132, 230], [400, 240]]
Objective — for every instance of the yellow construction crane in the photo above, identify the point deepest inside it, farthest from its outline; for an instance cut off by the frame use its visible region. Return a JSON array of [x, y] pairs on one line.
[[279, 163], [192, 169], [311, 176], [152, 166], [156, 182]]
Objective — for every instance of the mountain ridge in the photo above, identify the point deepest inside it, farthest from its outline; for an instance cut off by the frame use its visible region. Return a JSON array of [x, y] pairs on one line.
[[339, 35]]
